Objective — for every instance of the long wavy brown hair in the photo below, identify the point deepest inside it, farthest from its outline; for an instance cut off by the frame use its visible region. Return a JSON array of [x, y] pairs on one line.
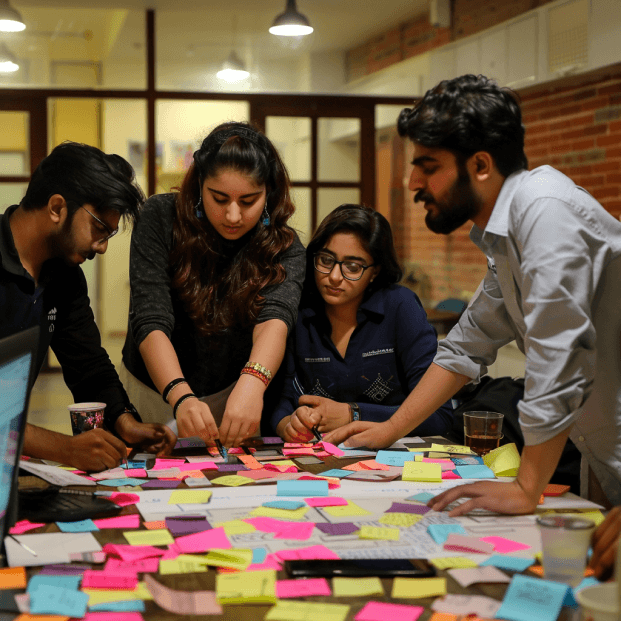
[[218, 292]]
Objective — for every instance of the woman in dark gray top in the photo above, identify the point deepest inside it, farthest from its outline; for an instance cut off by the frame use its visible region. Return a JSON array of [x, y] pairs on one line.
[[216, 276]]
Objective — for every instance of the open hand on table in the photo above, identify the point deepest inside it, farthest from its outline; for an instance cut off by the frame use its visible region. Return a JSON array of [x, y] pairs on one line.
[[364, 433], [94, 450], [242, 415], [604, 543], [507, 498], [148, 437], [194, 418]]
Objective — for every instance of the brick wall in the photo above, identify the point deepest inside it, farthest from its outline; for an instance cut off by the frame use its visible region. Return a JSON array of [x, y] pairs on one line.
[[573, 124]]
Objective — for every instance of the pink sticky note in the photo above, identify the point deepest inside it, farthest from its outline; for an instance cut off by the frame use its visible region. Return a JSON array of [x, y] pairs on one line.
[[333, 450], [317, 552], [505, 546], [172, 553], [270, 562], [256, 474], [450, 474], [132, 553], [93, 579], [164, 464], [206, 540], [121, 521], [201, 465], [113, 616], [123, 499], [275, 468], [379, 611], [327, 501], [146, 565], [24, 526], [136, 472], [298, 452], [294, 445], [445, 464], [462, 543], [302, 588], [332, 483], [300, 531], [371, 464], [266, 524]]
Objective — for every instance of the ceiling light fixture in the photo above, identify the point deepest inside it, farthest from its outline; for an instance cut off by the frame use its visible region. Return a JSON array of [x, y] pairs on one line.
[[233, 69], [8, 62], [291, 23], [10, 19]]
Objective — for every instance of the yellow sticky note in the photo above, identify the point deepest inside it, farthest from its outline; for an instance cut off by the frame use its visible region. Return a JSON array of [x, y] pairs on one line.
[[454, 449], [257, 587], [418, 450], [183, 564], [503, 461], [437, 455], [236, 527], [414, 588], [421, 471], [285, 514], [290, 610], [161, 537], [378, 532], [403, 520], [103, 596], [418, 458], [354, 587], [189, 496], [351, 508], [234, 558], [232, 481], [282, 462], [452, 562]]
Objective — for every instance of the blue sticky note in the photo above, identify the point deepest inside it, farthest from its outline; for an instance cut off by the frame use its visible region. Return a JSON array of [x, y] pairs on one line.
[[81, 526], [337, 472], [308, 489], [475, 472], [130, 605], [259, 555], [49, 600], [471, 460], [532, 599], [119, 482], [510, 563], [64, 582], [440, 532], [394, 458], [135, 464], [289, 505], [422, 497]]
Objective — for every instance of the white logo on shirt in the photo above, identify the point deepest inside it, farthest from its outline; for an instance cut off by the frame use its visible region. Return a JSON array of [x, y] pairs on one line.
[[51, 317], [377, 352]]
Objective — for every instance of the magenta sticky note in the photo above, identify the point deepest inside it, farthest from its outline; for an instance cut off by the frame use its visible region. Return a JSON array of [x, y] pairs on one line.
[[24, 526], [450, 474], [164, 464], [310, 553], [270, 562], [302, 588], [505, 546], [380, 611], [121, 521], [201, 542], [461, 543], [93, 579], [145, 565], [333, 450], [124, 499], [113, 616], [300, 531], [327, 501], [136, 472], [132, 553], [201, 465]]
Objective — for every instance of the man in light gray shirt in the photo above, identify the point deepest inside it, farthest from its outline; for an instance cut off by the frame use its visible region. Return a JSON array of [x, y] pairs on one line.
[[553, 285]]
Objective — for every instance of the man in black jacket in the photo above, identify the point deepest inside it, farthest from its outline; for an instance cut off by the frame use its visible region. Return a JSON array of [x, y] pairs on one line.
[[72, 207]]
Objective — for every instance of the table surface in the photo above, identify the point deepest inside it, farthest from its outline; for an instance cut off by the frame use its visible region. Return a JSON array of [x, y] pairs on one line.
[[252, 612]]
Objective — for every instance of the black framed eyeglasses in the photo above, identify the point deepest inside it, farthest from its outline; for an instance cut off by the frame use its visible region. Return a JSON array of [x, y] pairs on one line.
[[351, 270], [110, 232]]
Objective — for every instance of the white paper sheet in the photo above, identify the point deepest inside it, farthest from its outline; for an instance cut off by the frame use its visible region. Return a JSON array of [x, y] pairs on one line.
[[54, 475], [49, 547]]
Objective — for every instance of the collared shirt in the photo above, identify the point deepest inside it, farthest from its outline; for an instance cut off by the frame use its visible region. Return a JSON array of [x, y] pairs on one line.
[[389, 351], [59, 305], [553, 285]]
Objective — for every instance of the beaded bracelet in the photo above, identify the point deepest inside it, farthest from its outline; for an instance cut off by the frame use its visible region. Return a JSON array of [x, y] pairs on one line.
[[259, 367], [171, 385], [181, 400], [255, 373]]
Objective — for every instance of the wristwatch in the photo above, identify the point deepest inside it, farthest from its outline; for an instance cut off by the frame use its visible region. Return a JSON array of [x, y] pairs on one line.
[[355, 411]]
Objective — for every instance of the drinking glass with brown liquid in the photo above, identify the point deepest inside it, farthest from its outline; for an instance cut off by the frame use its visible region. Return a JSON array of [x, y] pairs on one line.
[[482, 431]]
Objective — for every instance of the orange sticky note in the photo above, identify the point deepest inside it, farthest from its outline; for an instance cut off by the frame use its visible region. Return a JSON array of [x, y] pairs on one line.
[[553, 489], [13, 578], [155, 525], [28, 617], [250, 462]]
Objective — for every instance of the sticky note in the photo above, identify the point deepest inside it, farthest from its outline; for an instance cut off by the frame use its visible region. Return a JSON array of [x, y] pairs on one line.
[[235, 527], [200, 542], [189, 496], [93, 579], [333, 450], [123, 499], [440, 532], [421, 471], [328, 501], [135, 605], [81, 526], [289, 505], [285, 514], [234, 558], [122, 521], [351, 509], [307, 611], [503, 461], [450, 562], [57, 581], [58, 601], [183, 564], [24, 526], [421, 497], [335, 472], [302, 588], [474, 472], [246, 587], [530, 599], [378, 532], [469, 545], [553, 489], [121, 482], [510, 563], [503, 545], [231, 481], [161, 537], [451, 448], [357, 587], [302, 488], [13, 578], [402, 520], [404, 507], [474, 575], [340, 528], [480, 606], [415, 588], [381, 611], [393, 458]]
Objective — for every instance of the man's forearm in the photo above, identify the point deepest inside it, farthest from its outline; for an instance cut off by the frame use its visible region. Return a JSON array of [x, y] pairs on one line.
[[45, 444], [435, 388]]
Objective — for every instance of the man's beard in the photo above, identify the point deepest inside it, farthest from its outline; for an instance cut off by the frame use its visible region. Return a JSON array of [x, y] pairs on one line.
[[461, 205]]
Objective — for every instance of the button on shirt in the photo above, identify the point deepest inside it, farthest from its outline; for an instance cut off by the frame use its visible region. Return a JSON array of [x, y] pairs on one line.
[[554, 286], [387, 354]]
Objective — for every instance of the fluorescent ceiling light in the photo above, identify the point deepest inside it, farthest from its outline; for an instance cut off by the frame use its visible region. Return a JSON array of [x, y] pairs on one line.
[[10, 19], [291, 23], [233, 69]]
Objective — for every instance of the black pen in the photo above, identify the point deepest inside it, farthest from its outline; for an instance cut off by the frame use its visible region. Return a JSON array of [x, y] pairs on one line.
[[317, 434], [221, 449]]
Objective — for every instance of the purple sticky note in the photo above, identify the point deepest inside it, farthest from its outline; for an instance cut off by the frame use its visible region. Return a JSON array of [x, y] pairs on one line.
[[64, 570], [159, 484], [273, 441], [189, 443], [187, 524], [343, 528], [402, 507], [231, 467]]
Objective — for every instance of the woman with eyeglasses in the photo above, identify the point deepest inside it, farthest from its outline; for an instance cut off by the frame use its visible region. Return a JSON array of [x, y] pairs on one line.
[[361, 342], [216, 275]]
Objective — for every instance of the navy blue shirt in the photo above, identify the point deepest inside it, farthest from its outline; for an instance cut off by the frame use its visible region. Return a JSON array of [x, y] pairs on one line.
[[389, 351]]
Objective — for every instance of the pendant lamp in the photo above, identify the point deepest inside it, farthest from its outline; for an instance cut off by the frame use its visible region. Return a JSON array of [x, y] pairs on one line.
[[291, 23], [8, 62], [10, 19]]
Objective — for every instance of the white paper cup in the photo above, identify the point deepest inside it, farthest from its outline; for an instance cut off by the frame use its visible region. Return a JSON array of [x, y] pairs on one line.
[[86, 416], [599, 602]]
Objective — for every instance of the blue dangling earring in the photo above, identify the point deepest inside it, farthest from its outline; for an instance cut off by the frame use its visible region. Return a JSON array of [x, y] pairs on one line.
[[266, 217]]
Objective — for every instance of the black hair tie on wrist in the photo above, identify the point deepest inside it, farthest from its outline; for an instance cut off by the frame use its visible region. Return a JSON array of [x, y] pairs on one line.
[[171, 385], [181, 400]]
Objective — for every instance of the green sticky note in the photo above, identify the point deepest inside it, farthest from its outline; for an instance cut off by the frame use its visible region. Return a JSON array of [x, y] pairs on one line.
[[290, 610], [254, 587], [357, 587], [159, 537], [378, 532], [189, 496], [402, 520], [232, 481], [350, 509], [183, 564], [234, 558]]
